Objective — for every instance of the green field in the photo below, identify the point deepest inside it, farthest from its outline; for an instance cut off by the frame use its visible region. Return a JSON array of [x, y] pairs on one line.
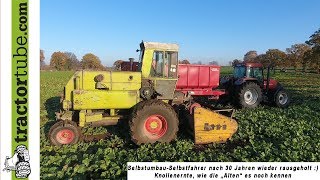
[[265, 134]]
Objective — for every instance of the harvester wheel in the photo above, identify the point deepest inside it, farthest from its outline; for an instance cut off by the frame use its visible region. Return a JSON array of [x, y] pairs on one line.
[[249, 95], [153, 121], [282, 99], [64, 133]]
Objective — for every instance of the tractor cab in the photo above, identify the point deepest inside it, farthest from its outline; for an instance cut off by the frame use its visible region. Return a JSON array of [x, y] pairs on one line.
[[254, 72], [249, 71]]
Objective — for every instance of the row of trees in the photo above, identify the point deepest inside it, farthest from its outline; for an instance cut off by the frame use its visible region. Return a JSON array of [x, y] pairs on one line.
[[68, 61], [303, 55]]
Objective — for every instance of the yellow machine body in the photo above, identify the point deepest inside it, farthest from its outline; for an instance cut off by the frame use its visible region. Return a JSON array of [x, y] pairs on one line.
[[88, 90]]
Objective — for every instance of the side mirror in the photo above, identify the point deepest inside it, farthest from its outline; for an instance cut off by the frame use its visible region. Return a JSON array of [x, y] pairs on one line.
[[137, 50]]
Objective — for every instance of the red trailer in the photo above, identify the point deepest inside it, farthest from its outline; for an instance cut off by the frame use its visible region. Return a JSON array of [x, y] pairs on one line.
[[199, 80]]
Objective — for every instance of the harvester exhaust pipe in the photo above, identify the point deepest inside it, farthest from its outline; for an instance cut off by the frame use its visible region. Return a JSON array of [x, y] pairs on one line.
[[131, 63]]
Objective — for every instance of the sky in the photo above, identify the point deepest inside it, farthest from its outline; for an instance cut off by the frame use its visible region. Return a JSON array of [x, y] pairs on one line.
[[206, 30]]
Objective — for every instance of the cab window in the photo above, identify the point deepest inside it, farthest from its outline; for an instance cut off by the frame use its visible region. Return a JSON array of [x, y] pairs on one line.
[[239, 72], [171, 62], [157, 64], [140, 59], [255, 73], [164, 64]]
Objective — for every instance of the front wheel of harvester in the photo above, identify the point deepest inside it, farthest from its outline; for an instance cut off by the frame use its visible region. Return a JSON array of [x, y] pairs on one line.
[[153, 121], [64, 133], [282, 99], [249, 95]]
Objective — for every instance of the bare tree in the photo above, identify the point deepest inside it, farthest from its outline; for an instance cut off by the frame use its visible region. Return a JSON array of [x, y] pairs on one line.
[[213, 63], [250, 56], [314, 56], [42, 57], [296, 55], [58, 61], [235, 61], [117, 64], [185, 61], [72, 61], [91, 61]]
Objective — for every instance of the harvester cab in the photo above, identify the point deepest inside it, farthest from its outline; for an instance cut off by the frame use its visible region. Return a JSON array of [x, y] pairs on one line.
[[148, 95], [251, 84], [159, 65]]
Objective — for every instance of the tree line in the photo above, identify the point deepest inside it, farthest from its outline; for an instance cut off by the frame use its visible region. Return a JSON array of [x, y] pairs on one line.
[[302, 55], [63, 61]]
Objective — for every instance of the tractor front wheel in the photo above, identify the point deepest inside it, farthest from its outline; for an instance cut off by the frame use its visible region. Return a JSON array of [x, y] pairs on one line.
[[282, 99], [64, 133], [249, 95], [153, 121]]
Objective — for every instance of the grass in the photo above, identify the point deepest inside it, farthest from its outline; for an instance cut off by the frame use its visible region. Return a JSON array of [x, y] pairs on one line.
[[226, 70]]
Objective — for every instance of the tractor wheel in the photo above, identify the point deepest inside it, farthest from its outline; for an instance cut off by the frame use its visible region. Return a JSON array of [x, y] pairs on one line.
[[64, 133], [23, 169], [153, 121], [282, 99], [249, 95]]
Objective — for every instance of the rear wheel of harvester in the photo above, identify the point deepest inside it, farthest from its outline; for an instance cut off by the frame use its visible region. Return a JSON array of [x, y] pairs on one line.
[[249, 95], [64, 133], [153, 121], [282, 99]]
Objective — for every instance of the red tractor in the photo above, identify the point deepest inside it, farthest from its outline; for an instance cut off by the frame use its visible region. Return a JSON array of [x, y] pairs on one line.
[[250, 85]]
